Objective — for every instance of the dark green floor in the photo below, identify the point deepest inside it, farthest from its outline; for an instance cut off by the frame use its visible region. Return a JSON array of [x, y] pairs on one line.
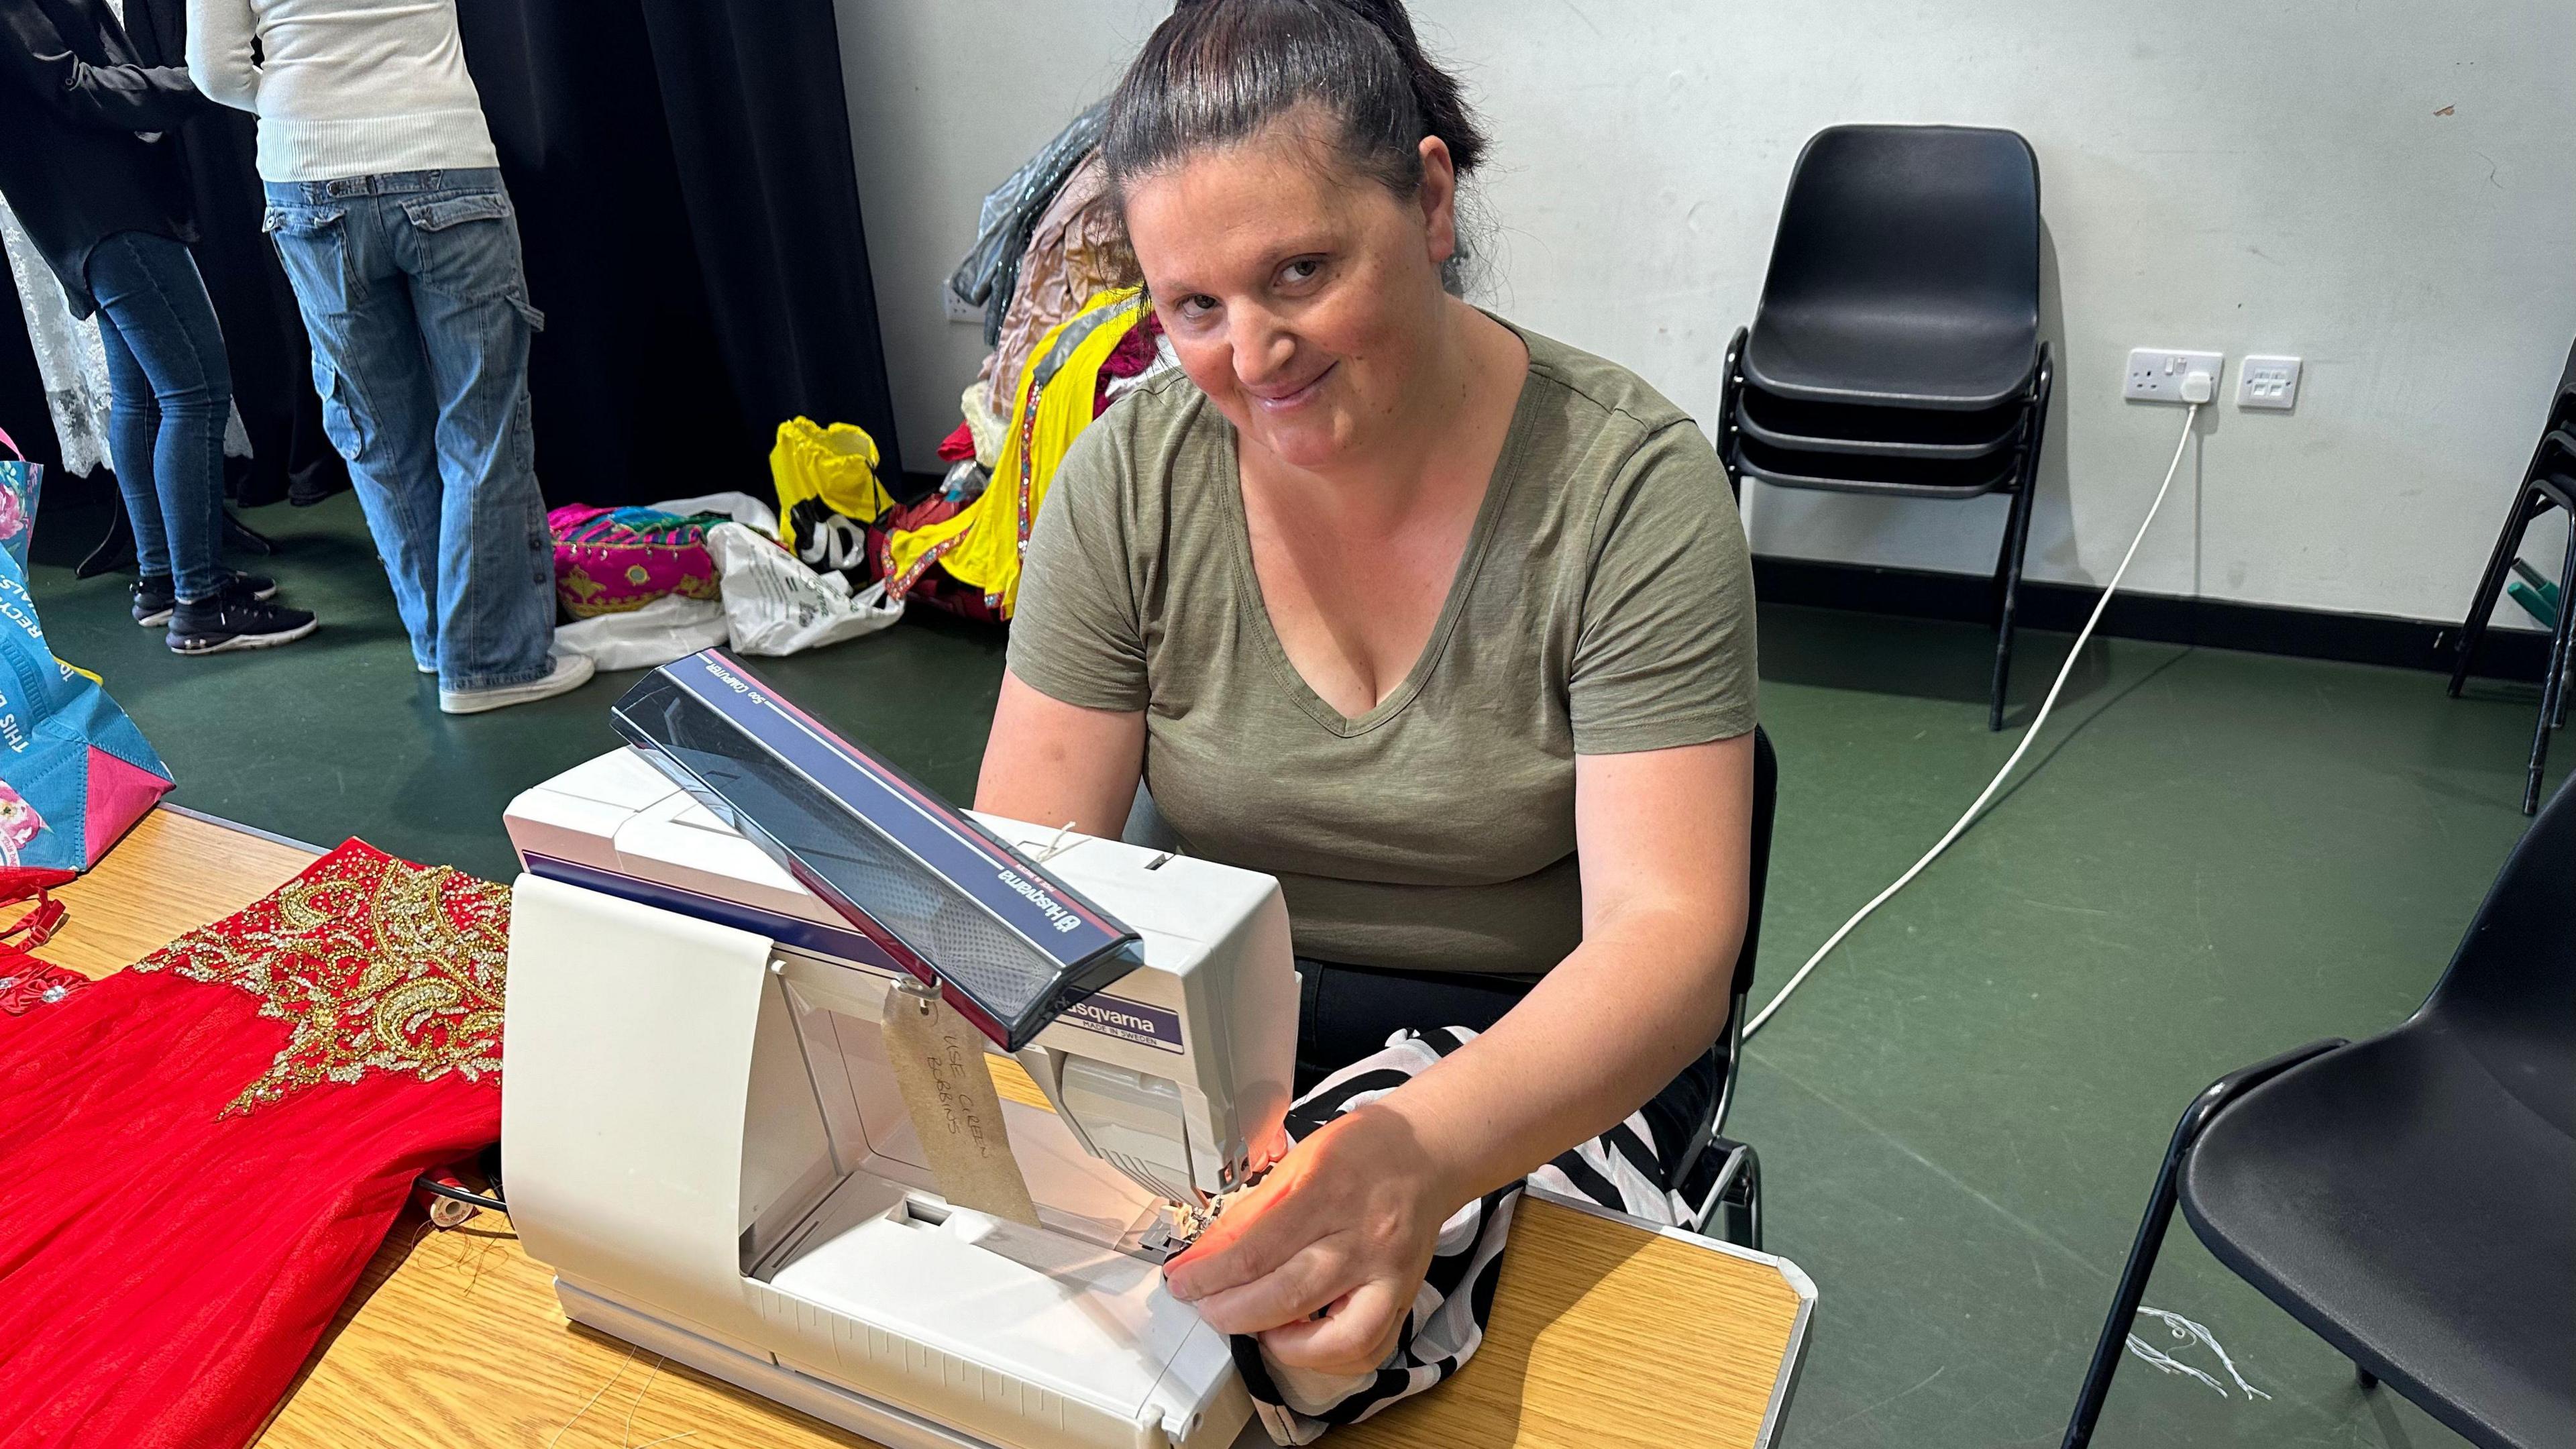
[[2224, 855]]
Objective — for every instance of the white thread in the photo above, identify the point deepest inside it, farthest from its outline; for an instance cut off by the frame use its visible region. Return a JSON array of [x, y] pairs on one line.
[[594, 1398], [2156, 1359], [626, 1433], [2186, 1331], [1054, 846]]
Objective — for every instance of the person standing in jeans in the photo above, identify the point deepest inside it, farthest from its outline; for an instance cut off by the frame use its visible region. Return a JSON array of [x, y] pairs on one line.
[[104, 204], [386, 204]]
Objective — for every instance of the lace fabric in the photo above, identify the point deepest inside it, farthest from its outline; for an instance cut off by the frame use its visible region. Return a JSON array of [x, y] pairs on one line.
[[68, 355]]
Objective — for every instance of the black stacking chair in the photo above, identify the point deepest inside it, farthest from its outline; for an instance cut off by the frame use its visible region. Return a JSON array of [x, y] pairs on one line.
[[1738, 1218], [1896, 349], [2412, 1197], [2548, 482]]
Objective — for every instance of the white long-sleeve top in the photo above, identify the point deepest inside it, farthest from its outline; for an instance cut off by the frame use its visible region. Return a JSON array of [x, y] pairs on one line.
[[344, 87]]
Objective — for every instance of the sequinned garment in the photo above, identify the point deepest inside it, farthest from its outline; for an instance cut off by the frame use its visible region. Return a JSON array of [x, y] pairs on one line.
[[199, 1154]]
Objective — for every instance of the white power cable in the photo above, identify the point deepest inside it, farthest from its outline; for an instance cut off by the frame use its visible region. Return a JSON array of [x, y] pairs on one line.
[[2019, 750]]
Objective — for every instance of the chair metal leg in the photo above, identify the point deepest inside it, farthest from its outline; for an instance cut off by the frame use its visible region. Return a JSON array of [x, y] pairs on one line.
[[1736, 1216], [2008, 569], [2553, 685], [2151, 1231], [2016, 542], [1743, 1203], [2124, 1303], [2491, 585], [2365, 1378]]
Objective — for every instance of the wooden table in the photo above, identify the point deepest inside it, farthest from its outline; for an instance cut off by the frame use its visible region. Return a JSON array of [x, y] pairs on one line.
[[1603, 1333]]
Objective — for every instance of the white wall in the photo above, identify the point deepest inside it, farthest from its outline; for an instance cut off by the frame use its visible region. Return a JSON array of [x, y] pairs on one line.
[[2424, 264]]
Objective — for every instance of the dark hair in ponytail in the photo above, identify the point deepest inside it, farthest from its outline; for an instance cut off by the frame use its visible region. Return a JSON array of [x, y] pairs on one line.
[[1217, 71]]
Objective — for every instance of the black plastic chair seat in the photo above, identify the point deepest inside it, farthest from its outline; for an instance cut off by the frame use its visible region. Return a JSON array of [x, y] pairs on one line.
[[1875, 472], [1961, 361], [1905, 272], [1897, 432], [2396, 1198]]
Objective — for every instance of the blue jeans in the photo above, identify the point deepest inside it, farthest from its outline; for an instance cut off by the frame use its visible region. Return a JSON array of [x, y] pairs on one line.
[[412, 288], [172, 390]]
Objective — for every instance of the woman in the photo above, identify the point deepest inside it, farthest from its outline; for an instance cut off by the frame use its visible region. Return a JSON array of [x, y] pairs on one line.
[[386, 204], [104, 204], [1445, 624]]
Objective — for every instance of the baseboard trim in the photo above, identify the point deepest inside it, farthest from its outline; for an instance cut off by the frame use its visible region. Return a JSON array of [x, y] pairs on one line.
[[2217, 623]]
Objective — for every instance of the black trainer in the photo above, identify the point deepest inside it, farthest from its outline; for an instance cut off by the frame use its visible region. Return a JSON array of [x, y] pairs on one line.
[[235, 618], [154, 598]]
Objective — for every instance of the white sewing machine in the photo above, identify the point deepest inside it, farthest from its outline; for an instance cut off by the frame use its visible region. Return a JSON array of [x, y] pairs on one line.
[[705, 1141]]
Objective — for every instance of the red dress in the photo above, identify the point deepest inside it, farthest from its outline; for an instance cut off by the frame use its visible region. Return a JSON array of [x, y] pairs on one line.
[[199, 1154]]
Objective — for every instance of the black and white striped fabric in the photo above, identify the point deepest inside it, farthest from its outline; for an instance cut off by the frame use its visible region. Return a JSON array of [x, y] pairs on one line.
[[1620, 1169]]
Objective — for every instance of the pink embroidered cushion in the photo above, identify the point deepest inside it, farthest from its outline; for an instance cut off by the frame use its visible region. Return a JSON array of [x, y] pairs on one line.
[[612, 560]]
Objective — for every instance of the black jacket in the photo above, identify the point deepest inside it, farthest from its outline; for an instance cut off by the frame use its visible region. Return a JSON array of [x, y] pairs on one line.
[[72, 102]]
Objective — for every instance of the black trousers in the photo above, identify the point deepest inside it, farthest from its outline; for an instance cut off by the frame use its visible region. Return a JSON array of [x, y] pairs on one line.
[[1345, 1013]]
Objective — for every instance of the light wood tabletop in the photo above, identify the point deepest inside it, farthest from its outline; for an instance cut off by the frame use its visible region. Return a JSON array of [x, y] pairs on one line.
[[1603, 1333]]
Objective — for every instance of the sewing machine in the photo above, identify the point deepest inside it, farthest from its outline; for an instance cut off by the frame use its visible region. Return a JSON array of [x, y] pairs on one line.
[[705, 1140]]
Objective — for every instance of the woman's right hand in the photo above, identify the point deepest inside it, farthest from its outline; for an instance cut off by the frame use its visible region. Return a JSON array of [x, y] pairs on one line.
[[1323, 1258]]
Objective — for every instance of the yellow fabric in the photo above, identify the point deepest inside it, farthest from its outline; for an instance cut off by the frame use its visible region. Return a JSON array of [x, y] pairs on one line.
[[837, 464], [981, 545], [76, 669]]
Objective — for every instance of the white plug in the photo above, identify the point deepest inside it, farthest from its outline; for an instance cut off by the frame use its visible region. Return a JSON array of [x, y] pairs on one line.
[[2156, 374], [2198, 387]]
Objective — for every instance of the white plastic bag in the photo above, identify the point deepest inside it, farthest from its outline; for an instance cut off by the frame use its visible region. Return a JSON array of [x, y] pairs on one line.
[[773, 604], [742, 508], [668, 628]]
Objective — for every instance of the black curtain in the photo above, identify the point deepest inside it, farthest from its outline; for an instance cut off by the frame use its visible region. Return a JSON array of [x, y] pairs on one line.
[[685, 192]]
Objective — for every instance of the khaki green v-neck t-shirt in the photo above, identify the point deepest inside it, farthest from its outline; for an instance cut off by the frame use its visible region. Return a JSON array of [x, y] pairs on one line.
[[1603, 605]]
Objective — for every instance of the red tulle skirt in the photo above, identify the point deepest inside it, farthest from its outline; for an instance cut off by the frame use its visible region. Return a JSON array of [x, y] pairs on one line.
[[199, 1154]]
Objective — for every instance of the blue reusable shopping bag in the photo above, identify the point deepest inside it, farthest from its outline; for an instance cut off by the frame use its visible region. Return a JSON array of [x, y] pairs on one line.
[[75, 774]]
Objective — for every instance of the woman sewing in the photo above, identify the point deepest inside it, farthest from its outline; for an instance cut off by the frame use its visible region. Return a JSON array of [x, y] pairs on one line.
[[1446, 625]]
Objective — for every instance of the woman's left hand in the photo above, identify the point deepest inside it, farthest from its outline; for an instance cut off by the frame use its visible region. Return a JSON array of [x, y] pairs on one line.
[[1344, 1224]]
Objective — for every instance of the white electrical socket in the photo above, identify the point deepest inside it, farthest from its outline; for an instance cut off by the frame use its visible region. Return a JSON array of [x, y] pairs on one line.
[[2268, 382], [956, 308], [2156, 373]]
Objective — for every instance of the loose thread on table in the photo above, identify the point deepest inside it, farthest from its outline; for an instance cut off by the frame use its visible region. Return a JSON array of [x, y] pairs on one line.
[[422, 1233], [480, 1259], [626, 1431], [593, 1399]]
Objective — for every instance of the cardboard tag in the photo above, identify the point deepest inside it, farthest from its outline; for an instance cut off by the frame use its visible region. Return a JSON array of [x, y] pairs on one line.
[[938, 1063]]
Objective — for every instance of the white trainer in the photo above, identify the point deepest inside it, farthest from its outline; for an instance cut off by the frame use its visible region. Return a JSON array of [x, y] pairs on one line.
[[571, 671]]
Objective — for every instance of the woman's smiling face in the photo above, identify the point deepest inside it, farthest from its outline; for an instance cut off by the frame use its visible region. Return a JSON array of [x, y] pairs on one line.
[[1299, 293]]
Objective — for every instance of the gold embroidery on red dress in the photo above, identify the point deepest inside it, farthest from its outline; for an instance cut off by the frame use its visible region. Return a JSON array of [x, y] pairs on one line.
[[378, 965]]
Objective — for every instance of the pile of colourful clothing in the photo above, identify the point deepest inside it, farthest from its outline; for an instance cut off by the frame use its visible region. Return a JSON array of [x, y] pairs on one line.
[[1070, 335]]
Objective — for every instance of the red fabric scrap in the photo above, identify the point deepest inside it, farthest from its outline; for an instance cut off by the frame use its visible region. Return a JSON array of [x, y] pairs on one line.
[[27, 983], [199, 1154]]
